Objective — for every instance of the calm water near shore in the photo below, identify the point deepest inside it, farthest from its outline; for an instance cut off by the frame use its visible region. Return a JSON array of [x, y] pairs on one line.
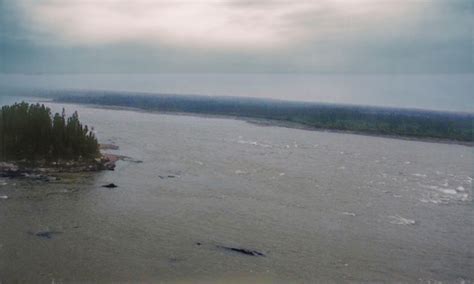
[[320, 206]]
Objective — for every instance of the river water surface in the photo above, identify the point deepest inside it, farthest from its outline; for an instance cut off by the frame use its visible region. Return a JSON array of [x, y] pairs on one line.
[[321, 206]]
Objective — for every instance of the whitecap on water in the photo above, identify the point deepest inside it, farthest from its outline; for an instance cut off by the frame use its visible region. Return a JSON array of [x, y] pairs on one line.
[[460, 188], [434, 187], [254, 143], [419, 175], [469, 180], [447, 191], [444, 195], [464, 197], [434, 198], [399, 220], [247, 142]]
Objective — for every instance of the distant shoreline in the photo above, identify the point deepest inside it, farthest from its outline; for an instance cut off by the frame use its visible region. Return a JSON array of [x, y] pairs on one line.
[[265, 122], [294, 125]]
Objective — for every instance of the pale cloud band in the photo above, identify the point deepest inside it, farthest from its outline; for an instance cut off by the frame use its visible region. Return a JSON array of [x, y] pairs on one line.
[[433, 36], [231, 24]]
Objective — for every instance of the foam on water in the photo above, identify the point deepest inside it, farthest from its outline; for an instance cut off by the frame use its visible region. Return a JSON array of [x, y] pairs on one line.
[[429, 199], [253, 143], [447, 190], [241, 172], [440, 194]]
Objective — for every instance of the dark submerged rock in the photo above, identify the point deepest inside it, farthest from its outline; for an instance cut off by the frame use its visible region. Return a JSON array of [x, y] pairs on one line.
[[242, 251], [45, 234], [9, 170], [168, 176]]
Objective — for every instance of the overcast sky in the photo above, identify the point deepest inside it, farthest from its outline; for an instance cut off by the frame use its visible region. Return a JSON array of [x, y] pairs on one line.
[[141, 36]]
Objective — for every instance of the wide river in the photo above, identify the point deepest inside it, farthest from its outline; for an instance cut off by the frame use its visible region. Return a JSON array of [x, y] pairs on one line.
[[320, 206]]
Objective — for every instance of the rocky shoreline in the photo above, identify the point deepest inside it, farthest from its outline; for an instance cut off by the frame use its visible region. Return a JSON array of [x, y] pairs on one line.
[[43, 170]]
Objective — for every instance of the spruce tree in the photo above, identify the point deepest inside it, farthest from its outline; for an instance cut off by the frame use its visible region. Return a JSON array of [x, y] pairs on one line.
[[30, 132]]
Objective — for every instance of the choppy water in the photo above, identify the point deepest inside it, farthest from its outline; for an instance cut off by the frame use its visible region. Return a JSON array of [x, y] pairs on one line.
[[320, 206]]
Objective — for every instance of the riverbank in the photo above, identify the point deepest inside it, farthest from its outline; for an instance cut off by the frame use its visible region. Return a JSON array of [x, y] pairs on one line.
[[266, 122], [383, 121], [295, 125]]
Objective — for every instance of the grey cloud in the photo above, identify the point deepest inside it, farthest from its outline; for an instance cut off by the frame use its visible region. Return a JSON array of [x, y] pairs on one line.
[[430, 37]]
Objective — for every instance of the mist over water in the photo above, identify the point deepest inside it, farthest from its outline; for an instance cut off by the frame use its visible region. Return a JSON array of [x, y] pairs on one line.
[[437, 91]]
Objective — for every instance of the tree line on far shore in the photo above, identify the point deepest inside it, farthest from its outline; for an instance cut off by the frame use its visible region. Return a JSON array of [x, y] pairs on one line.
[[361, 119], [30, 132]]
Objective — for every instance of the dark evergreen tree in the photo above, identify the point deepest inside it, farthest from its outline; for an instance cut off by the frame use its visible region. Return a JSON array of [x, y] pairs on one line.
[[30, 132]]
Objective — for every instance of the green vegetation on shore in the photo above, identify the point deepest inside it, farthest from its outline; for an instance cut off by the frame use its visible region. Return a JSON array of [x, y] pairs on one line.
[[360, 119], [29, 132]]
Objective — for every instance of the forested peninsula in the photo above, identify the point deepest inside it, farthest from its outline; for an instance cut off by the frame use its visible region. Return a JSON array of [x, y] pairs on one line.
[[393, 122], [32, 139]]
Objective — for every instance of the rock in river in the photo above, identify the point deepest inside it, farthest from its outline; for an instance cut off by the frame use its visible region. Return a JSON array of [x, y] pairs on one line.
[[242, 251], [45, 234]]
